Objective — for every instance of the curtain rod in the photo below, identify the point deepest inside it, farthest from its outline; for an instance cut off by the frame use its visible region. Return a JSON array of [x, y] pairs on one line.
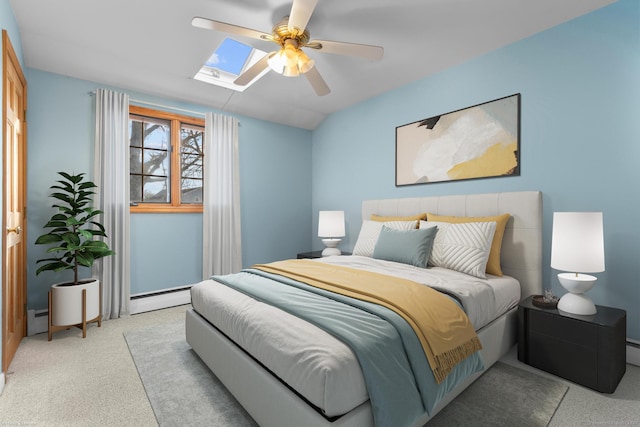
[[137, 101]]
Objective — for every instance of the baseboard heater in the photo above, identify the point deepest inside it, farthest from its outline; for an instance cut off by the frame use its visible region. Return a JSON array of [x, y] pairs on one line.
[[38, 320], [141, 303]]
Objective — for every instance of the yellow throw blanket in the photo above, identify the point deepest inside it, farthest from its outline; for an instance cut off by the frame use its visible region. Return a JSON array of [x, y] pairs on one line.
[[444, 330]]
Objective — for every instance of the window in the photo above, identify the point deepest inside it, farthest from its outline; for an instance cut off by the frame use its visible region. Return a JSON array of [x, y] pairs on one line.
[[166, 161]]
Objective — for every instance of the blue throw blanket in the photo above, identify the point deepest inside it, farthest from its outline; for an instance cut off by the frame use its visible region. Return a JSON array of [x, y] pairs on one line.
[[399, 381]]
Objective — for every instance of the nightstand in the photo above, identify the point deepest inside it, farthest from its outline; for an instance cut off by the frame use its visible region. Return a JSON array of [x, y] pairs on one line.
[[315, 254], [588, 350]]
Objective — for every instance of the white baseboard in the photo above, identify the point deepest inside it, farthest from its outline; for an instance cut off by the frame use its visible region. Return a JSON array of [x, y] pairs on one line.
[[633, 352], [1, 382], [159, 301], [38, 320]]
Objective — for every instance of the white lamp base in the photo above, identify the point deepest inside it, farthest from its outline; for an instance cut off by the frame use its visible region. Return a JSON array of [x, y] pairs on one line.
[[575, 302], [331, 247]]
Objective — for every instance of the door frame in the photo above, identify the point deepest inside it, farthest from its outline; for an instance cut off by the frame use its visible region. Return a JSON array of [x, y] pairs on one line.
[[9, 56]]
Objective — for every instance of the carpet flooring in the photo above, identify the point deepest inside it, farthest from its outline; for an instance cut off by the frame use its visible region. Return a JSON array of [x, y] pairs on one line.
[[183, 391]]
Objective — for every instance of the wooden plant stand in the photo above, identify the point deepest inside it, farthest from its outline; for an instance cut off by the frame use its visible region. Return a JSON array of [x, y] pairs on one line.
[[84, 323]]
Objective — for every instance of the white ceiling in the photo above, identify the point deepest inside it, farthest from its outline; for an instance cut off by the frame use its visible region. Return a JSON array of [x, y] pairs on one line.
[[150, 46]]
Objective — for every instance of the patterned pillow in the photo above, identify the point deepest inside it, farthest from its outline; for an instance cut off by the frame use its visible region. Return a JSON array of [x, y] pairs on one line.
[[370, 231], [463, 247], [493, 264]]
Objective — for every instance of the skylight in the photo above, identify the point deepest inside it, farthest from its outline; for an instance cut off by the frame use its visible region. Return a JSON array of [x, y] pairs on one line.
[[227, 62], [230, 56]]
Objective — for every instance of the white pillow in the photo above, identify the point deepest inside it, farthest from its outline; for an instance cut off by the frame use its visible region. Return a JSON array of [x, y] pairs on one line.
[[370, 231], [463, 247]]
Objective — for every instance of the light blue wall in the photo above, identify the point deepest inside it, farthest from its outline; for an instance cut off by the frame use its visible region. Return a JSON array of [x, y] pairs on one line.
[[580, 138], [166, 251], [8, 22], [275, 186]]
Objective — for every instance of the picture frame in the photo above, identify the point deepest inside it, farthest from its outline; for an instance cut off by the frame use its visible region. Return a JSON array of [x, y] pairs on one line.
[[481, 141]]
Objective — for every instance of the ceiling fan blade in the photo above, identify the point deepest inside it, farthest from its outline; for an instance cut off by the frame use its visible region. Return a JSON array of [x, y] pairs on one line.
[[366, 51], [251, 73], [301, 11], [210, 24], [317, 82]]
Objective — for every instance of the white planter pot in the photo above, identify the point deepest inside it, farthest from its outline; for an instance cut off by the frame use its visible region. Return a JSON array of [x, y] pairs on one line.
[[66, 303]]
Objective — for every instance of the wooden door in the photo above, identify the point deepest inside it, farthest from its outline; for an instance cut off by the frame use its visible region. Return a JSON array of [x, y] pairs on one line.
[[14, 298]]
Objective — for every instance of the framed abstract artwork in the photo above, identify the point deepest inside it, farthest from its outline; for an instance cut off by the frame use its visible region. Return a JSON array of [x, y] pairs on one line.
[[481, 141]]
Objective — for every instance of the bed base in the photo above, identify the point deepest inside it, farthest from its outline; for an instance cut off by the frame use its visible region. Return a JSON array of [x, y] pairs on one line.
[[272, 404]]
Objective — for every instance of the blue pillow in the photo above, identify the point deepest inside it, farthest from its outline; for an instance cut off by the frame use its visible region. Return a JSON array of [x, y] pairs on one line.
[[411, 247]]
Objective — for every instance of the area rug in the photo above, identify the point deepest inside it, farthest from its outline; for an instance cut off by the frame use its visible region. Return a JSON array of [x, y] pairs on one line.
[[180, 387], [183, 391], [504, 396]]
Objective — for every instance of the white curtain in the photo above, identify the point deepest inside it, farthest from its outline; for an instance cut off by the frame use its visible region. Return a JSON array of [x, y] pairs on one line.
[[111, 175], [222, 248]]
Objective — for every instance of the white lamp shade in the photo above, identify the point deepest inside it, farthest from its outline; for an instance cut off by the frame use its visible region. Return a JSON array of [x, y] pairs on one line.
[[331, 224], [577, 242]]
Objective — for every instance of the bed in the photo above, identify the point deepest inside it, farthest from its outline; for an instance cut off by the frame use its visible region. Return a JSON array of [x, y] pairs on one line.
[[279, 389]]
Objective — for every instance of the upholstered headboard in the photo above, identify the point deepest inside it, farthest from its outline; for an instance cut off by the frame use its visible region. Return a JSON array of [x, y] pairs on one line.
[[521, 255]]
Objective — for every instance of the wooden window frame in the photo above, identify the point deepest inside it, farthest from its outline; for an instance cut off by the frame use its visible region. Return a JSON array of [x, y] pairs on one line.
[[176, 120]]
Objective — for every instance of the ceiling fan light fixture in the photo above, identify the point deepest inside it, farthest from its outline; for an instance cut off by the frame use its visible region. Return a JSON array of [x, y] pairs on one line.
[[290, 50], [290, 54], [305, 63], [291, 71], [290, 61], [276, 61], [284, 60]]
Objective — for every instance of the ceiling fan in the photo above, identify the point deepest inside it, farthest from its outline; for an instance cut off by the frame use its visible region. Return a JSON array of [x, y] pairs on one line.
[[292, 35]]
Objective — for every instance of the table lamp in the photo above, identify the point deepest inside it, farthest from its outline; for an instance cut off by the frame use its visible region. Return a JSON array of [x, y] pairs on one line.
[[331, 231], [577, 247]]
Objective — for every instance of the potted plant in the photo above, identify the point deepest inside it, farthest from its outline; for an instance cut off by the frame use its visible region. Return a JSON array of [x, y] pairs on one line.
[[72, 230]]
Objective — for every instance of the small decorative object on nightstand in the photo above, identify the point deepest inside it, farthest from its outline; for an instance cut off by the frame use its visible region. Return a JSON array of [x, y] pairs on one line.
[[588, 350], [548, 300]]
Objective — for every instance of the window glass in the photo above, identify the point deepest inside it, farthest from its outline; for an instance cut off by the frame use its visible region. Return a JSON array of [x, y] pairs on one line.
[[150, 160], [191, 164]]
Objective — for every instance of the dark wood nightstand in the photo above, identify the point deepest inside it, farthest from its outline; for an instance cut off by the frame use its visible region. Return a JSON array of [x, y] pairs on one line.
[[588, 350], [315, 254]]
